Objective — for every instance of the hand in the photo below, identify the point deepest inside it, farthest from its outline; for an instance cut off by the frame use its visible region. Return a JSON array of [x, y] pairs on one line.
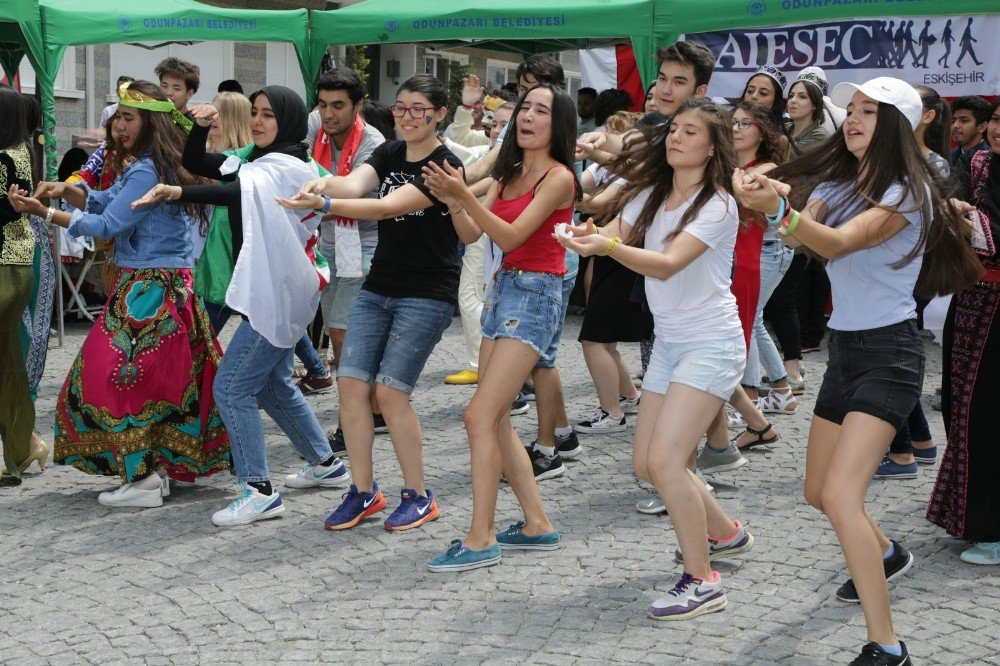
[[758, 193], [50, 190], [472, 91], [159, 193], [315, 186], [204, 114], [448, 182], [302, 201], [22, 203], [587, 245], [588, 143], [962, 207]]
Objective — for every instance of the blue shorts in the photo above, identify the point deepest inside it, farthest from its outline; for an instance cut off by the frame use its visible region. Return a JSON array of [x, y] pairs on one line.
[[338, 298], [525, 306], [712, 366], [389, 339], [548, 359]]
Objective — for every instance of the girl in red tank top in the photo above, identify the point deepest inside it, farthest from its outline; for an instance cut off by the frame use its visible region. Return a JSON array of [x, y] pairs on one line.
[[535, 189]]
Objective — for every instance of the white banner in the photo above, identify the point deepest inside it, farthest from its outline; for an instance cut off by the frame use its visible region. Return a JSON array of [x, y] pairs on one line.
[[958, 55]]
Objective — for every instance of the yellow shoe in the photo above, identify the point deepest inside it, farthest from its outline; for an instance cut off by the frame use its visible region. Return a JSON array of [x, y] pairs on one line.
[[463, 377]]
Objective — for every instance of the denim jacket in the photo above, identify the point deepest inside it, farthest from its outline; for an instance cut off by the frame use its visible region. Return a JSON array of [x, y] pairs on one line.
[[156, 236]]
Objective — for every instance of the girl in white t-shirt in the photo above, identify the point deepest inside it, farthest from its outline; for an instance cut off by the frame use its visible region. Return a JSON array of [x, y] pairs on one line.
[[872, 210], [680, 222]]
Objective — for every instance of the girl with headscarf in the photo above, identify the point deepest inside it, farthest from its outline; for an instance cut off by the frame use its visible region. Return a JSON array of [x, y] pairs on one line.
[[275, 287], [138, 402]]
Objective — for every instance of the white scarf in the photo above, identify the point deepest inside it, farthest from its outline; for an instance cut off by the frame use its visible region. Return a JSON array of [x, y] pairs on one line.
[[275, 284]]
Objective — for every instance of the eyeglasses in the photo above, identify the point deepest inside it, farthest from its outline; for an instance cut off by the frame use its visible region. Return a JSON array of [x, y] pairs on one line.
[[399, 110], [744, 124]]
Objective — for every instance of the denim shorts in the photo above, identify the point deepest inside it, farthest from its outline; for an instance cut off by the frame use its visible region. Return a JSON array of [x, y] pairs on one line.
[[548, 359], [388, 340], [338, 298], [712, 366], [878, 372], [524, 306]]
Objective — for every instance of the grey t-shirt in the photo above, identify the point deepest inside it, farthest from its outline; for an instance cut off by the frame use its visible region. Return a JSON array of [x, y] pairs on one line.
[[867, 291], [368, 229]]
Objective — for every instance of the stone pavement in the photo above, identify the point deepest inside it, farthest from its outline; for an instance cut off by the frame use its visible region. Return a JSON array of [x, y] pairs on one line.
[[83, 583]]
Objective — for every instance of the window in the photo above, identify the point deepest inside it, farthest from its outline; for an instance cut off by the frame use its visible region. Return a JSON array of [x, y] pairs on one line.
[[440, 65], [65, 83], [498, 73]]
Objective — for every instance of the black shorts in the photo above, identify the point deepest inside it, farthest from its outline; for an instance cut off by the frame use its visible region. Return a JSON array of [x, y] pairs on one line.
[[879, 372]]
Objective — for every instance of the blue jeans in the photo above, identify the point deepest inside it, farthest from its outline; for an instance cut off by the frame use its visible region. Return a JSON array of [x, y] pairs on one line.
[[389, 340], [310, 357], [775, 259], [255, 371]]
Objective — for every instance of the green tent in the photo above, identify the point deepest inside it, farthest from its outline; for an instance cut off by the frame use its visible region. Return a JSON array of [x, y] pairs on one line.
[[522, 26], [70, 22], [20, 35]]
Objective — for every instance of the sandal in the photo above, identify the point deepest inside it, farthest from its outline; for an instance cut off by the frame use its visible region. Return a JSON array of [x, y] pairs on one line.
[[760, 441], [778, 401]]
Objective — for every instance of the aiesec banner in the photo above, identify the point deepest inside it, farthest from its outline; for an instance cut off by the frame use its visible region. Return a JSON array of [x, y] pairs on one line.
[[958, 55]]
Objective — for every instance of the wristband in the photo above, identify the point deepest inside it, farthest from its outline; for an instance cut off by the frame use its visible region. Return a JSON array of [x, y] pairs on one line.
[[611, 245], [786, 229], [326, 204], [783, 209], [50, 215]]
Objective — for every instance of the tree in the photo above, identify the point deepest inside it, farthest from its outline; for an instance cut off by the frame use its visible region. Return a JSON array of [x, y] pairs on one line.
[[358, 60], [456, 81]]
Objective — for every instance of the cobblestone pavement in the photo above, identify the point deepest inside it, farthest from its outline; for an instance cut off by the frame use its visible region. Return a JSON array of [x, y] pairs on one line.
[[84, 583]]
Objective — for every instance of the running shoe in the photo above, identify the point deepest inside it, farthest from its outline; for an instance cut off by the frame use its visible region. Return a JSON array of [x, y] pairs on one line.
[[356, 507], [546, 467], [568, 447], [380, 426], [514, 539], [413, 511], [334, 475], [459, 557], [712, 461], [872, 654], [740, 542], [629, 405], [651, 505], [519, 406], [895, 566], [249, 507], [528, 392], [601, 422], [337, 444], [690, 597]]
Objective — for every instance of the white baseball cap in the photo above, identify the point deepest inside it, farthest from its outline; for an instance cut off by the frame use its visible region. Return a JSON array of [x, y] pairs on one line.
[[885, 89]]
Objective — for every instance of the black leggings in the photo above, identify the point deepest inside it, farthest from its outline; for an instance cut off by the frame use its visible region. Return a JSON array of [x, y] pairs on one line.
[[783, 313], [915, 428], [813, 294]]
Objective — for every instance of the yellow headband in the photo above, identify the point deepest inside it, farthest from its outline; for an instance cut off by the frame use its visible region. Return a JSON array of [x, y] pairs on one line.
[[139, 100]]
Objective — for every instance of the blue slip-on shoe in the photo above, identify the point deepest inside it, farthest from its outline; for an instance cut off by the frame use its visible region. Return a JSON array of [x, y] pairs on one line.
[[926, 456], [513, 538], [413, 511], [459, 557], [887, 469]]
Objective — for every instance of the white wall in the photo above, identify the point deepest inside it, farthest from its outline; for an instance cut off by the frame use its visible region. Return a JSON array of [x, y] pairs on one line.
[[283, 68], [406, 54], [214, 59]]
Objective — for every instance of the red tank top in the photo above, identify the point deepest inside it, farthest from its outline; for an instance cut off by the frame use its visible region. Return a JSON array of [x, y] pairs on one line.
[[541, 252]]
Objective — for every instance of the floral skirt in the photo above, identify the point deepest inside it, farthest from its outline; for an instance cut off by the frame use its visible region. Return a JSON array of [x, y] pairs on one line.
[[139, 394]]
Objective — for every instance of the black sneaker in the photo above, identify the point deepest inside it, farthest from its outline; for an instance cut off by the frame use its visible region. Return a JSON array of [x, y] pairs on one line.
[[569, 446], [895, 566], [546, 467], [380, 425], [528, 392], [337, 444], [872, 654], [519, 406]]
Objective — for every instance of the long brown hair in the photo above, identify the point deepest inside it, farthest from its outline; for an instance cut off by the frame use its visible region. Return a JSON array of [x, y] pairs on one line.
[[166, 141], [893, 157], [648, 168]]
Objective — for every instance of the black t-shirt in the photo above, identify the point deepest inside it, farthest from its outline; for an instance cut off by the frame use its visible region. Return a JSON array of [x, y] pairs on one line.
[[417, 254]]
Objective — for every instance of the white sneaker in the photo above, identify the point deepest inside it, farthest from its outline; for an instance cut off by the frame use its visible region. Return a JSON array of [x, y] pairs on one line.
[[249, 507], [334, 475], [164, 486], [129, 495], [601, 422], [629, 405]]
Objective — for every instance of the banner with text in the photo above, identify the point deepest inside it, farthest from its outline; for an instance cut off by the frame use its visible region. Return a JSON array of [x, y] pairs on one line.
[[958, 55]]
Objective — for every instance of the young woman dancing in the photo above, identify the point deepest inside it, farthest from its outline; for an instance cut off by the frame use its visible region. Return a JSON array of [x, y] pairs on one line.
[[681, 223], [535, 190], [865, 201]]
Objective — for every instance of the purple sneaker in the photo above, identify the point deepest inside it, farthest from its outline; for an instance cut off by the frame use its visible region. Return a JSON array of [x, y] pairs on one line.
[[690, 597]]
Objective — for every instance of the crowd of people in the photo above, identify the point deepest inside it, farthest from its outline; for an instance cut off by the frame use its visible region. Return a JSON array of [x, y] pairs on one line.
[[692, 223]]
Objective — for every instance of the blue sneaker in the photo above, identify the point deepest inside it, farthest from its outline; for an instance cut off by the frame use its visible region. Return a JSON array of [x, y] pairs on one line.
[[356, 507], [413, 511], [890, 470], [458, 557], [514, 539], [926, 456]]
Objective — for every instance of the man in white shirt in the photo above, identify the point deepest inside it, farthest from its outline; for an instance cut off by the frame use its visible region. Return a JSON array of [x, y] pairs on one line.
[[585, 99]]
